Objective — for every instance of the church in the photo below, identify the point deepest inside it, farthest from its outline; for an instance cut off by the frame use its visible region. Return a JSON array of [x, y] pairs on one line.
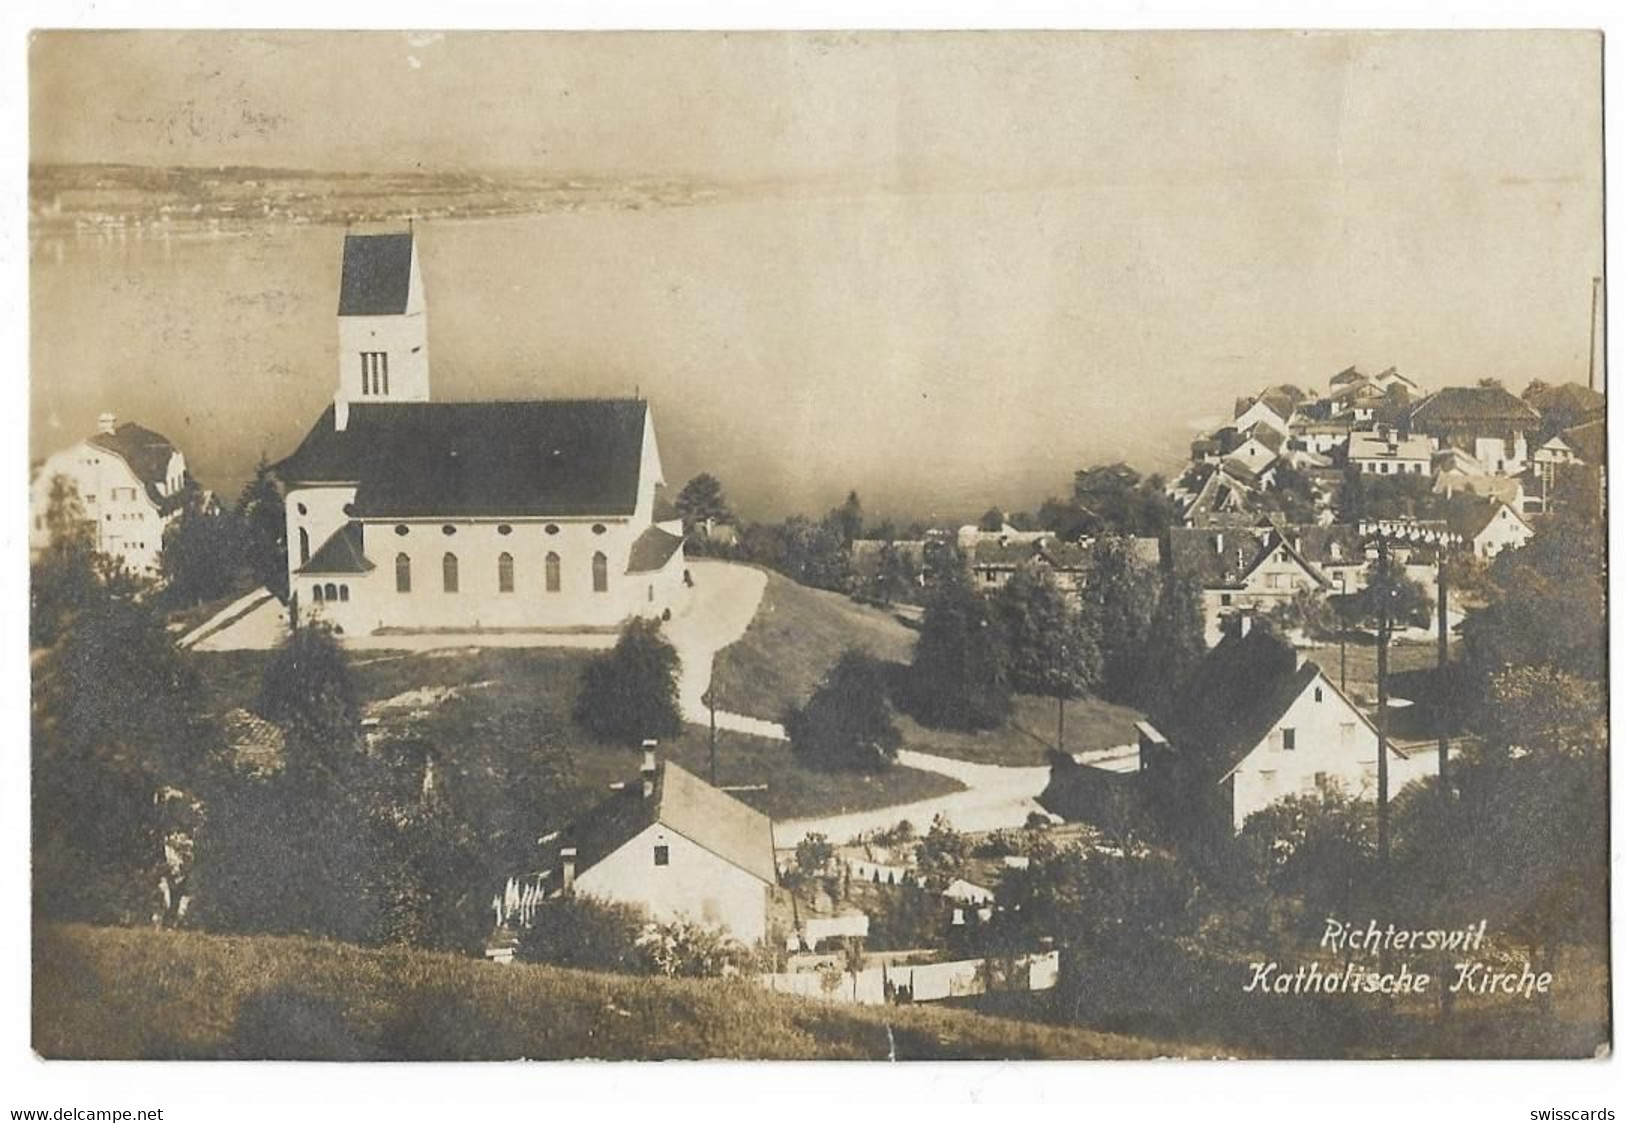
[[407, 514]]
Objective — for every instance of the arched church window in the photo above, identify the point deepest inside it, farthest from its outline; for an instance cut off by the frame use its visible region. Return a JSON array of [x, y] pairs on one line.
[[304, 545], [448, 572], [316, 593], [403, 573], [552, 573], [504, 573], [344, 592], [600, 573], [332, 591]]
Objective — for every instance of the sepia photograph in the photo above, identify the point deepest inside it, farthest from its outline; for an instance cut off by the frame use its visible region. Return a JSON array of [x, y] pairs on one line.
[[816, 546]]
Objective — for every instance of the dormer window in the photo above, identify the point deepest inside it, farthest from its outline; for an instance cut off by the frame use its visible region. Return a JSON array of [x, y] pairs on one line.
[[374, 373]]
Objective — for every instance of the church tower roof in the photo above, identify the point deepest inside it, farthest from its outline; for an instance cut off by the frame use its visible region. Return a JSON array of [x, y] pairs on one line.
[[377, 278]]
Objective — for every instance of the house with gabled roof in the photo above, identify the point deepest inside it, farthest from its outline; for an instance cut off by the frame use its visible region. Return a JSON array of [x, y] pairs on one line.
[[1485, 421], [1268, 410], [1255, 569], [674, 845], [131, 484], [407, 514], [1388, 452], [1255, 725], [1488, 526]]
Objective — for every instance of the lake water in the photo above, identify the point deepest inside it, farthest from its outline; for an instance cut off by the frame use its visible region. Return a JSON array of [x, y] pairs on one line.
[[940, 352]]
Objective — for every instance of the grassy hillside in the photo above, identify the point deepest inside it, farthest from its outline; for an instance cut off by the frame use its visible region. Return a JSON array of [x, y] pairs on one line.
[[504, 714], [111, 993], [797, 635]]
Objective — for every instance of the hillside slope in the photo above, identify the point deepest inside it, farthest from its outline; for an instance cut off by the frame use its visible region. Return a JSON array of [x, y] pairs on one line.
[[795, 637], [114, 993]]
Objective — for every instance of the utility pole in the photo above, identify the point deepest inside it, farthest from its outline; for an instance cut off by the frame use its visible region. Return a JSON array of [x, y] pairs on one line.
[[1444, 714], [1591, 356], [1385, 593], [711, 706]]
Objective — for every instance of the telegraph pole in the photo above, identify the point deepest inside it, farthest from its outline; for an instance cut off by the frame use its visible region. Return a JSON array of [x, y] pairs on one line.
[[1443, 714], [1591, 357], [711, 706], [1384, 595]]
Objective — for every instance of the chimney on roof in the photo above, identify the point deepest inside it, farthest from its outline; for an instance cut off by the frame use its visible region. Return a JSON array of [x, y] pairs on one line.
[[1244, 624], [567, 864], [341, 413], [649, 768], [106, 423]]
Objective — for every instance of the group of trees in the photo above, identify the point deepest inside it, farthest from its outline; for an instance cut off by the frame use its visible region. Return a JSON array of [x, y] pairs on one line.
[[1131, 634]]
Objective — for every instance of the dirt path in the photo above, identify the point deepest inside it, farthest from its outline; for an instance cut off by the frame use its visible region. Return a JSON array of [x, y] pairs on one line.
[[995, 796]]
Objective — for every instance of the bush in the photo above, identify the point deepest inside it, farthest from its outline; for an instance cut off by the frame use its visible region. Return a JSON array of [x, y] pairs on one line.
[[847, 723], [630, 693], [683, 949], [586, 933]]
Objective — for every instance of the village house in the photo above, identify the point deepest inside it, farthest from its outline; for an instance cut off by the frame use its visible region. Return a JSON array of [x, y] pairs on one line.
[[1257, 569], [1255, 725], [1320, 437], [407, 514], [1386, 452], [1485, 421], [1272, 411], [1488, 526], [674, 845], [131, 484]]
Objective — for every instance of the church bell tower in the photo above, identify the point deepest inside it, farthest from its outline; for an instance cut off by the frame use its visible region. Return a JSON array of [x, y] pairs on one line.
[[383, 324]]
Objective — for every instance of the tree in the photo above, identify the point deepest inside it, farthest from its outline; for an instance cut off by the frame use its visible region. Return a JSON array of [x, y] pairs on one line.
[[1052, 651], [64, 579], [308, 690], [847, 723], [1067, 519], [702, 500], [263, 523], [1120, 596], [848, 519], [814, 853], [815, 554], [958, 679], [201, 553], [1124, 501], [1291, 495], [1176, 643], [1320, 849], [992, 521], [1546, 607], [630, 692], [897, 576], [1390, 594], [118, 715]]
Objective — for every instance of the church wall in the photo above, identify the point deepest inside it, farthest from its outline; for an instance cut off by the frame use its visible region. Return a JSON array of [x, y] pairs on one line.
[[322, 514], [478, 601]]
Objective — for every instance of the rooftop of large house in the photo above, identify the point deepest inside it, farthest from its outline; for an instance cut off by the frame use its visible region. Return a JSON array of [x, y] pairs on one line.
[[1236, 694], [1389, 446], [684, 804], [147, 453], [479, 459], [1589, 441], [1457, 405]]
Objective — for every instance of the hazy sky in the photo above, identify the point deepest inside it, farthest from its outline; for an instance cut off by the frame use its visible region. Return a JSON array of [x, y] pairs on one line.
[[1029, 251]]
